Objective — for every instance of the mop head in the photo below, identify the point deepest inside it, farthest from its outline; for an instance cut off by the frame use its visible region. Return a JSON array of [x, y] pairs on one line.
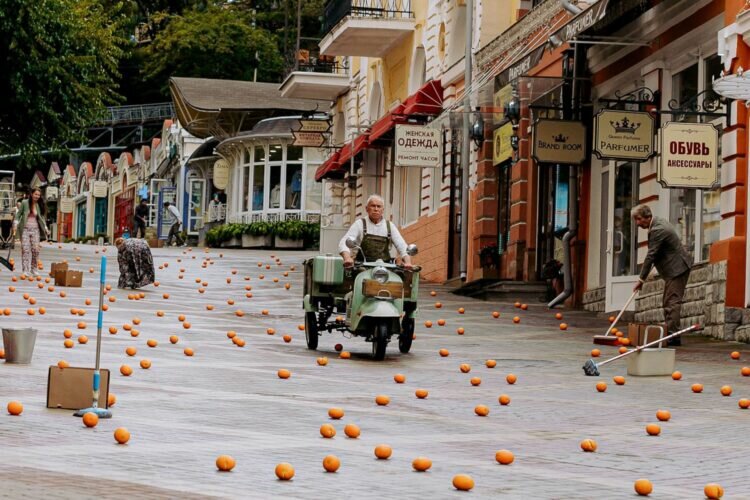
[[591, 369], [100, 412]]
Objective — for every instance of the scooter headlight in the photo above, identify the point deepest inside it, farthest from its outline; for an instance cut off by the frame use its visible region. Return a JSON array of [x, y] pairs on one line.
[[380, 274]]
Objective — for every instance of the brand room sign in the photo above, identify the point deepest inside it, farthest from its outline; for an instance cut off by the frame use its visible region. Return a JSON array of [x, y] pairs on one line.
[[689, 155], [623, 135], [559, 141]]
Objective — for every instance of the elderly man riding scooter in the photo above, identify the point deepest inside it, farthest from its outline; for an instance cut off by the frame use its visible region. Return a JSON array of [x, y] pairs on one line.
[[374, 236]]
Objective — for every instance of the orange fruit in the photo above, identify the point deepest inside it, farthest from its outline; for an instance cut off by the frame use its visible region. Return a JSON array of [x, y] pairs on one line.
[[428, 324], [744, 403], [145, 364], [517, 305], [111, 399], [588, 445], [516, 319], [676, 375], [421, 464], [209, 307], [696, 388], [284, 471], [495, 314], [327, 431], [68, 343], [461, 310], [63, 364], [595, 353], [481, 410], [165, 296], [463, 482], [15, 408], [511, 379], [331, 463], [558, 316], [622, 349], [90, 419], [30, 312], [713, 491], [601, 386], [160, 313], [345, 355], [352, 431], [283, 373], [126, 370], [122, 435], [624, 341], [421, 393], [563, 326], [134, 332], [735, 355], [643, 487], [382, 400], [460, 330], [504, 457], [399, 378], [239, 342], [524, 306], [504, 399], [663, 415], [186, 325], [82, 339], [745, 371], [433, 293], [174, 339], [438, 305], [322, 361], [465, 368], [726, 390], [619, 380], [225, 463], [490, 363], [383, 451], [131, 351], [270, 331], [287, 338], [264, 312], [67, 333], [152, 343], [653, 429], [441, 322], [81, 325], [444, 352], [335, 413], [475, 381]]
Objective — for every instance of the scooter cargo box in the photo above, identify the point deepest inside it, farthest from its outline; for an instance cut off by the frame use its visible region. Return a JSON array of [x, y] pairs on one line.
[[328, 269], [651, 362]]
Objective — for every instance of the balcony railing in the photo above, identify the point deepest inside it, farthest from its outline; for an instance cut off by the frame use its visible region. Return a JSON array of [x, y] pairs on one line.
[[311, 61], [336, 10]]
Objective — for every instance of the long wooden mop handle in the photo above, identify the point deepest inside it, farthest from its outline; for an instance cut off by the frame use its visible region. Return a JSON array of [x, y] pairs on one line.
[[632, 296], [657, 341]]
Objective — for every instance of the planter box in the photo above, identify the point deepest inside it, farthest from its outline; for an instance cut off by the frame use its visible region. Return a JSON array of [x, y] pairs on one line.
[[234, 242], [250, 241], [284, 243]]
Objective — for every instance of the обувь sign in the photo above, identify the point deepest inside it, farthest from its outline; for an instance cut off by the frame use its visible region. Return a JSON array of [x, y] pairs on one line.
[[689, 155]]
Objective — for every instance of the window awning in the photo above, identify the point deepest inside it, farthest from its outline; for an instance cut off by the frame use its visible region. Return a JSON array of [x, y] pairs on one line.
[[329, 168], [428, 100]]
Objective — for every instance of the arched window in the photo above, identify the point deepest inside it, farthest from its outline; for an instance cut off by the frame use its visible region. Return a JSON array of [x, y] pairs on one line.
[[418, 70], [376, 102], [457, 37]]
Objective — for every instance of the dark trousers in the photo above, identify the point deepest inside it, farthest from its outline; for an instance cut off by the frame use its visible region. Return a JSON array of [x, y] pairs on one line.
[[174, 232], [674, 290], [139, 227]]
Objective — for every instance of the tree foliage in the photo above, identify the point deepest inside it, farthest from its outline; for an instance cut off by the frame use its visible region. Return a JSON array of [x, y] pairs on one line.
[[59, 66], [213, 43]]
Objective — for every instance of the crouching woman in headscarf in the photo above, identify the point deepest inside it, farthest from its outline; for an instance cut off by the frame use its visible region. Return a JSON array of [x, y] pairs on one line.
[[136, 263]]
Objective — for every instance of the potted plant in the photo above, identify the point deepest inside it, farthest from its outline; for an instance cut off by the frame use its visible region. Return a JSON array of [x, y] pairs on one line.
[[257, 234], [290, 234], [231, 235]]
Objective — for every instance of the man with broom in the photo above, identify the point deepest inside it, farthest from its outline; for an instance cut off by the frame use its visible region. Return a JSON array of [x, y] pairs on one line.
[[665, 251]]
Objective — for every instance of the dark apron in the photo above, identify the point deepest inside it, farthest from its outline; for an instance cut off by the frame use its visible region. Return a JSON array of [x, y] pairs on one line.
[[376, 247]]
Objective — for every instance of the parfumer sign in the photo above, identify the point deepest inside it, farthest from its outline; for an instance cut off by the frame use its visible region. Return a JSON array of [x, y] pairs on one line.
[[623, 135], [689, 155], [559, 141], [417, 146]]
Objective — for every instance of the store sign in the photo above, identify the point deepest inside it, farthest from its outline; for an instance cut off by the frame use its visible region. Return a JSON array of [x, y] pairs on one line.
[[51, 193], [314, 125], [499, 100], [308, 139], [66, 205], [221, 174], [99, 189], [559, 141], [582, 22], [501, 148], [417, 146], [623, 135], [116, 185], [689, 155]]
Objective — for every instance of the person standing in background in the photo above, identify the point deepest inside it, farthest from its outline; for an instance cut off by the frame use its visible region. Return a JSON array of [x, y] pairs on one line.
[[139, 219], [174, 230], [30, 224]]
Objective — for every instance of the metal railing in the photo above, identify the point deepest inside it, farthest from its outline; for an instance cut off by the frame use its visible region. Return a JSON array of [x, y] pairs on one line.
[[336, 10], [311, 61], [138, 113]]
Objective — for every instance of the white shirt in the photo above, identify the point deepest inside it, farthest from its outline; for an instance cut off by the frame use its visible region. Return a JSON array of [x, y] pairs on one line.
[[175, 213], [379, 229]]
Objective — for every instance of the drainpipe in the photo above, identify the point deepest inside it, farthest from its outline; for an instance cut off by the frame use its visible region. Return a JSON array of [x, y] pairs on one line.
[[573, 9], [466, 143]]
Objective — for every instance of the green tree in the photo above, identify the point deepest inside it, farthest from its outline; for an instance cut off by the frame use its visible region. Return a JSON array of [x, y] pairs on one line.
[[59, 66], [213, 43]]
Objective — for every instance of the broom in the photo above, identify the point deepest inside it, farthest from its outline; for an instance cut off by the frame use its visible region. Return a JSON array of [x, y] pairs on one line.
[[608, 339], [5, 261], [100, 412]]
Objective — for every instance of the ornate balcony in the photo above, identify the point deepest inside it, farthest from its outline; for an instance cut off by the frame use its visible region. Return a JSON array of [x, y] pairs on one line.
[[315, 76], [365, 28]]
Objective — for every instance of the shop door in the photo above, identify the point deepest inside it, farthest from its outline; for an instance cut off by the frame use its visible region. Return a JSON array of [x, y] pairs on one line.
[[124, 212], [196, 190], [66, 227], [100, 216], [164, 219], [81, 226], [622, 234]]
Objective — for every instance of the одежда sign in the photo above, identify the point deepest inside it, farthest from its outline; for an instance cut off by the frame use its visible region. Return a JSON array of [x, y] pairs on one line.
[[417, 146]]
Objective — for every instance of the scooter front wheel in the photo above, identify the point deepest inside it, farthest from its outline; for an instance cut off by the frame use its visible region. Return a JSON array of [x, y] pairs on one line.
[[379, 340], [407, 335], [311, 330]]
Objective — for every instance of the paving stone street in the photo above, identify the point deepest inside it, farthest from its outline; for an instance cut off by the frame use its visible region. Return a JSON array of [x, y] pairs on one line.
[[184, 411]]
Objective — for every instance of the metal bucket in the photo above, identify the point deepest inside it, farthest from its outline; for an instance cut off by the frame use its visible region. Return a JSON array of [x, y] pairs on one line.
[[19, 344]]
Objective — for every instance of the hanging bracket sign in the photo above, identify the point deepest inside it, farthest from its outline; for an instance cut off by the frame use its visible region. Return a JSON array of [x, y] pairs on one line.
[[308, 139], [417, 146], [624, 135], [502, 149], [66, 205], [559, 141], [221, 174], [689, 155], [99, 189], [321, 126]]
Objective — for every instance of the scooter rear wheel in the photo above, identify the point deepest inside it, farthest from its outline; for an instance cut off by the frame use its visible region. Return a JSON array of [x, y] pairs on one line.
[[407, 335], [379, 340], [311, 330]]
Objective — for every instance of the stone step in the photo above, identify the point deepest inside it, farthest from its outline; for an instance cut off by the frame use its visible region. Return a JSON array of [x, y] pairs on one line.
[[504, 290]]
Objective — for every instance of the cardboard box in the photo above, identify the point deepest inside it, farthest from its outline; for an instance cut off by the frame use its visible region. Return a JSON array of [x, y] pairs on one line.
[[57, 266], [71, 388], [637, 333], [69, 278]]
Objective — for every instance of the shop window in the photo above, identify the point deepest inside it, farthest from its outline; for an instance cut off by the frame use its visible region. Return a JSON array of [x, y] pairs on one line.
[[294, 153], [713, 68], [441, 42], [276, 152], [245, 182], [293, 186], [260, 154], [314, 193], [246, 156], [624, 231], [503, 230], [685, 87], [275, 186], [412, 194], [258, 183]]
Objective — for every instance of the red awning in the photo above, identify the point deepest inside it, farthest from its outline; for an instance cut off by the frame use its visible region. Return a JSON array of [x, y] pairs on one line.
[[428, 100], [329, 168], [359, 145], [386, 123]]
